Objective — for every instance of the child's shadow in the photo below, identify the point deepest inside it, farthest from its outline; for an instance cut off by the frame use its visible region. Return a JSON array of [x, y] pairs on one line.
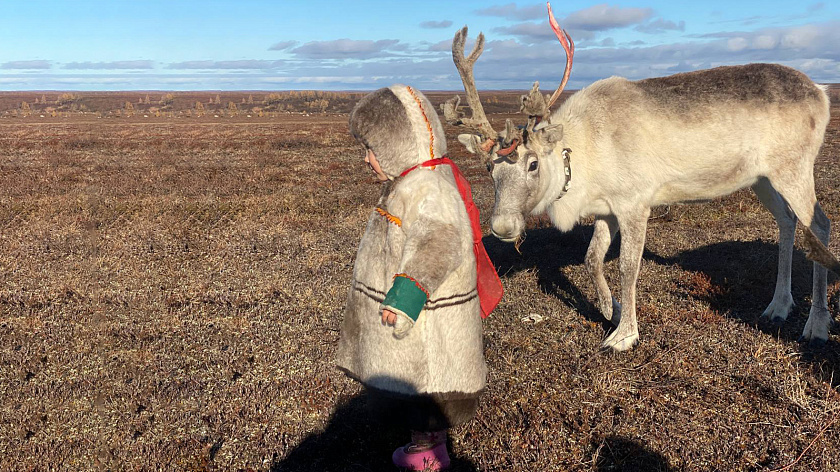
[[358, 437], [627, 455]]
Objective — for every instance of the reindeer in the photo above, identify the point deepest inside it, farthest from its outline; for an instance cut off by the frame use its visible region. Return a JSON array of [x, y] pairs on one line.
[[618, 147]]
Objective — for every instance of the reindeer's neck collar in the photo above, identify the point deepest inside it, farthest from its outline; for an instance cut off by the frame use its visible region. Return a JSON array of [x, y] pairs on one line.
[[567, 171]]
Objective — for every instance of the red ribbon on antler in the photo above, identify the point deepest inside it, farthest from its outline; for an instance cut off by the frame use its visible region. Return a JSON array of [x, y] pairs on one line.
[[506, 151]]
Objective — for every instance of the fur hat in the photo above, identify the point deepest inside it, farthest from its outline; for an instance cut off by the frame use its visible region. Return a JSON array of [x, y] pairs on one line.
[[400, 125]]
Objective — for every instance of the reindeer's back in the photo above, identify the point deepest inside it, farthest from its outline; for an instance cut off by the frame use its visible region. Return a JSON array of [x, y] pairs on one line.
[[759, 83], [767, 93], [700, 134]]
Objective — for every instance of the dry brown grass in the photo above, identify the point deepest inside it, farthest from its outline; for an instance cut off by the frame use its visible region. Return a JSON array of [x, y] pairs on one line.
[[172, 292], [77, 105]]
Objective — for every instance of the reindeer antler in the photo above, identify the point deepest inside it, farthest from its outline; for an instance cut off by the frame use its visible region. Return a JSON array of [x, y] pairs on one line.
[[534, 103], [450, 111], [465, 68], [568, 46]]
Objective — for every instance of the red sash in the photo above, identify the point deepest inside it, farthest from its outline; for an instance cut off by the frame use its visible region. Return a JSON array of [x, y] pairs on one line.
[[489, 286]]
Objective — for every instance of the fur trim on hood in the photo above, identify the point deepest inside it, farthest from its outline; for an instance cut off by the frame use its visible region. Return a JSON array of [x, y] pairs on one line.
[[400, 125]]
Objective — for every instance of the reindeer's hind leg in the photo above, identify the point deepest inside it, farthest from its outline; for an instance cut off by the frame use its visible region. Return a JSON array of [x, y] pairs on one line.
[[819, 318], [605, 229], [779, 308], [798, 190]]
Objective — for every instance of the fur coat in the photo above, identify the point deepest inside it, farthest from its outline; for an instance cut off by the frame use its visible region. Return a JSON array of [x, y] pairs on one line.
[[419, 229]]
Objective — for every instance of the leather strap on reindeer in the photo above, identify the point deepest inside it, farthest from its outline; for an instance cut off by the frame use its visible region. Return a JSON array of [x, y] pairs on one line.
[[489, 286]]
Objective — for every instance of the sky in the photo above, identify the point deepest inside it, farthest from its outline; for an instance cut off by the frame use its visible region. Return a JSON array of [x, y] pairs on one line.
[[86, 45]]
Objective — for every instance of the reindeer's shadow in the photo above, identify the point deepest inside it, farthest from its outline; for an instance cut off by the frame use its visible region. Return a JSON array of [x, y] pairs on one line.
[[742, 273], [547, 250]]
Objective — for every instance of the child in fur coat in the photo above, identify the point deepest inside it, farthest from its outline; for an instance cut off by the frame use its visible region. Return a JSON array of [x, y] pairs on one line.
[[422, 281]]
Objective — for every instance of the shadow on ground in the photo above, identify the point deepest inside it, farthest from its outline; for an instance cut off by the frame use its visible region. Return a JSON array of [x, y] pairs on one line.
[[616, 453], [741, 277], [547, 250], [358, 437]]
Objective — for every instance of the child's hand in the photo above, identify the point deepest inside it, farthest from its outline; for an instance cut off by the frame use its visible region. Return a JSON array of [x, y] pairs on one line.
[[401, 323], [389, 317]]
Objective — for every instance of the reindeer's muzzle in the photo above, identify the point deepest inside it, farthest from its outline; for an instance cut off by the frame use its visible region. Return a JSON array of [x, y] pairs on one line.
[[507, 226]]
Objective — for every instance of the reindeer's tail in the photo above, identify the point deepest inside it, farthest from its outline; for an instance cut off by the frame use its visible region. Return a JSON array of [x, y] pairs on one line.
[[818, 253]]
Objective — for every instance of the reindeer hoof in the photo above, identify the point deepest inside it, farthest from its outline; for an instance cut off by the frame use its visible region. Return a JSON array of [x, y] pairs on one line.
[[817, 344], [620, 341], [812, 345], [778, 310], [816, 328]]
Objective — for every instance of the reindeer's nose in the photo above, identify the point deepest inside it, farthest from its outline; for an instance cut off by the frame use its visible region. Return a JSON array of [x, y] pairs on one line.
[[507, 227]]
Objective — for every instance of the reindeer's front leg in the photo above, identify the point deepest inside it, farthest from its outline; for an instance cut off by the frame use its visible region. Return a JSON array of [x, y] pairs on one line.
[[632, 226], [605, 229]]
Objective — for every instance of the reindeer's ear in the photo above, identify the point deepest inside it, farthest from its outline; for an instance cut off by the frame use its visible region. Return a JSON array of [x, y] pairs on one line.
[[471, 142], [549, 133]]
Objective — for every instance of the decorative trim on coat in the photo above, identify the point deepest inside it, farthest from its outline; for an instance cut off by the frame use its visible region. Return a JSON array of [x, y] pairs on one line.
[[426, 119], [432, 304], [406, 296], [391, 218]]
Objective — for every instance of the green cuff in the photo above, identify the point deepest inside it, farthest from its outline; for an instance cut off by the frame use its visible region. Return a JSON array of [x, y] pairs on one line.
[[407, 296]]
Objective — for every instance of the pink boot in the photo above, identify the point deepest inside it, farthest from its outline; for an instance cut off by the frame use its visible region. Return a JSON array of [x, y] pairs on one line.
[[425, 452]]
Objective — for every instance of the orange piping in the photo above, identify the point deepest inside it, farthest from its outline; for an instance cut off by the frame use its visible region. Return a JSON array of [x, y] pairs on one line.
[[426, 118]]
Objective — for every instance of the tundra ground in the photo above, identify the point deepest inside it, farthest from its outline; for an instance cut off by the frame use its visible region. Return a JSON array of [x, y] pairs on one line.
[[172, 290]]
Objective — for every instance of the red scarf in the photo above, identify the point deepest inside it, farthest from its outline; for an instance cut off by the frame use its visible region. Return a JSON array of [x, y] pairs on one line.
[[489, 286]]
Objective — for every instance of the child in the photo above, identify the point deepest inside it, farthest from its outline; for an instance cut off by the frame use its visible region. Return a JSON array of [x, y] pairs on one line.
[[412, 327]]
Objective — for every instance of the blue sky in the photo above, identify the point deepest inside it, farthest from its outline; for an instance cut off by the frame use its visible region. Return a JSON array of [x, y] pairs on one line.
[[366, 44]]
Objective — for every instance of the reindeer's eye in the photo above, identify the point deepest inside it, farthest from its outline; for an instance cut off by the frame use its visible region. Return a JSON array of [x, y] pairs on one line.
[[489, 167], [533, 166]]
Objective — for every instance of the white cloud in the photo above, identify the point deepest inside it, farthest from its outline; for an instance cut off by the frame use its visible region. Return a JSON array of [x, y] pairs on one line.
[[816, 7], [802, 37], [282, 45], [811, 47], [541, 32], [345, 49], [529, 32], [603, 17], [765, 41], [512, 12], [736, 44], [113, 65], [26, 65], [436, 24], [247, 64], [508, 62], [660, 25], [582, 25]]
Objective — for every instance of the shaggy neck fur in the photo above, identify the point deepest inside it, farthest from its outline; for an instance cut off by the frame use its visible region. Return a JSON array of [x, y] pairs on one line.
[[565, 212]]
